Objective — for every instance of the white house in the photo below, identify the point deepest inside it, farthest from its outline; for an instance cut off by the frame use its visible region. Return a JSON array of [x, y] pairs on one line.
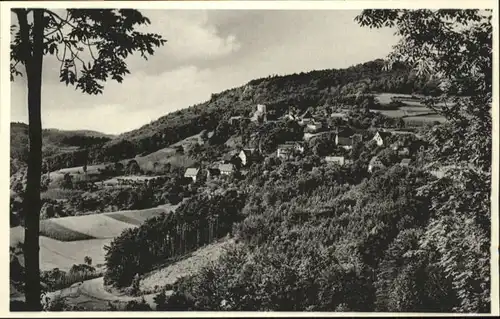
[[374, 164], [340, 160], [226, 169], [314, 126], [285, 150], [261, 108], [289, 149], [260, 112], [246, 155], [192, 173], [381, 137]]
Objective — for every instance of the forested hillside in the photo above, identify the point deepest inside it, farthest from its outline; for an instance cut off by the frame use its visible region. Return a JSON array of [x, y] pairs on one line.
[[54, 142], [324, 88]]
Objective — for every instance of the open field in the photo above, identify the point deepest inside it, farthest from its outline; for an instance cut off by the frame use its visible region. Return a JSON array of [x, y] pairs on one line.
[[63, 255], [137, 217], [414, 111], [423, 119], [73, 238], [96, 226], [58, 232], [162, 156]]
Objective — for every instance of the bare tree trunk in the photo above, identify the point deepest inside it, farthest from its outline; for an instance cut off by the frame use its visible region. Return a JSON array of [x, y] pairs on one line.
[[33, 63]]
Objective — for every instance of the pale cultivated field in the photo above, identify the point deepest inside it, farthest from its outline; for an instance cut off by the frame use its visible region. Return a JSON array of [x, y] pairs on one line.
[[137, 217], [97, 226], [63, 255]]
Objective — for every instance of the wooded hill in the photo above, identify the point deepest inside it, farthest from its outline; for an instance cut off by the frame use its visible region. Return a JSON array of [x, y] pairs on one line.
[[322, 88], [54, 142]]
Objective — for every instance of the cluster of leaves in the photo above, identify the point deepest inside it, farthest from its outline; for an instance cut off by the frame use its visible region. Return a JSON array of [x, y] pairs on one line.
[[456, 47]]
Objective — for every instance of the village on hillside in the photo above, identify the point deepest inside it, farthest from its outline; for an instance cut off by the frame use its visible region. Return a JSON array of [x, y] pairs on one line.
[[365, 188], [343, 136]]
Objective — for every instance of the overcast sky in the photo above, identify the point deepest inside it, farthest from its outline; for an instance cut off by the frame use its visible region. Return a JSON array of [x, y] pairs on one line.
[[207, 52]]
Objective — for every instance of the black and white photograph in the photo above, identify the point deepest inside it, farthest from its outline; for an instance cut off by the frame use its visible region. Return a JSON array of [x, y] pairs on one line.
[[251, 156]]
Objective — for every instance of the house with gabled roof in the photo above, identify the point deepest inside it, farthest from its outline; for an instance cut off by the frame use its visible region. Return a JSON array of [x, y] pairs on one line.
[[381, 137], [226, 169], [375, 164], [314, 126], [289, 149], [192, 173], [261, 112], [340, 160], [247, 156], [343, 141]]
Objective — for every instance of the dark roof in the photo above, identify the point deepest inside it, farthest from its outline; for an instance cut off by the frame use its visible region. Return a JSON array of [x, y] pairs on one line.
[[344, 140], [228, 157], [383, 134], [375, 158], [306, 113]]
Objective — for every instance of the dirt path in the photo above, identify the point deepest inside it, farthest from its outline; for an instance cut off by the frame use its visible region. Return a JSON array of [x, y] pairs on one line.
[[91, 295]]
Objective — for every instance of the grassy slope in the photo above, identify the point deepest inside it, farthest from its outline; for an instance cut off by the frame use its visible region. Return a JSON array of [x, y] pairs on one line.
[[188, 265], [75, 237]]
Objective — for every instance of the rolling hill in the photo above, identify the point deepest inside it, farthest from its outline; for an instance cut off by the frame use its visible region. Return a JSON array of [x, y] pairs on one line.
[[54, 142], [315, 89]]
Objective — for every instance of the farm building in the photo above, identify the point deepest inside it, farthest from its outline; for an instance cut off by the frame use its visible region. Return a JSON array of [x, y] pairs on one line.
[[381, 138], [314, 126], [343, 141], [285, 150], [247, 156], [192, 173], [374, 164], [261, 112], [340, 160], [226, 169], [405, 162], [289, 149]]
